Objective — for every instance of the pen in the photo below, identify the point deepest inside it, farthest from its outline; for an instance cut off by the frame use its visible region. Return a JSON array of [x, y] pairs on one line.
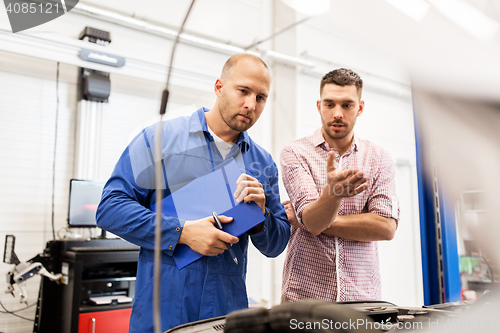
[[219, 225]]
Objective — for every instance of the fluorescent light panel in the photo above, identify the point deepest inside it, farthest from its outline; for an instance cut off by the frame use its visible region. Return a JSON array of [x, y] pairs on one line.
[[468, 17], [416, 9], [309, 7]]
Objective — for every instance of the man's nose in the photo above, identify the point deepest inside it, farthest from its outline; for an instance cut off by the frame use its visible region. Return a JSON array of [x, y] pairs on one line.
[[337, 112], [250, 102]]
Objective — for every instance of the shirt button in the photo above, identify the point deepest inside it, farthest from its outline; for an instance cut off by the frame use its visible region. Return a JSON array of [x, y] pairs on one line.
[[263, 230], [177, 229], [170, 247]]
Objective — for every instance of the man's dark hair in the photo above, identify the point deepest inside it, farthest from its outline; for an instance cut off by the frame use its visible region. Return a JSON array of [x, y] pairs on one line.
[[342, 77]]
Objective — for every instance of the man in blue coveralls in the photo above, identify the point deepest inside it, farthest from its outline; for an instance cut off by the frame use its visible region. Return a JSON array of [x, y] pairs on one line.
[[192, 146]]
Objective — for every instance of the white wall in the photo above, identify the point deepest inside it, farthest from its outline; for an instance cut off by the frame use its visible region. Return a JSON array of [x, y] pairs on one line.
[[27, 131], [27, 108]]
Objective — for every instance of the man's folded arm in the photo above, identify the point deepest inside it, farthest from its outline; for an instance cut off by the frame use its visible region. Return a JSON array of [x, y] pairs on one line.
[[313, 211], [381, 219], [365, 227]]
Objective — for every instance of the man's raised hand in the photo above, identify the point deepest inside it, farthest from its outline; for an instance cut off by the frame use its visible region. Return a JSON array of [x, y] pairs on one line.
[[343, 183]]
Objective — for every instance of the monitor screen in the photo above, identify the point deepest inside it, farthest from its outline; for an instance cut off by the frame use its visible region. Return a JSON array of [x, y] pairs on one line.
[[84, 196]]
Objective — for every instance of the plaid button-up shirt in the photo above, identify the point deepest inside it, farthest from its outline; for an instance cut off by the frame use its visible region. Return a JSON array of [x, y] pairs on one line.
[[327, 267]]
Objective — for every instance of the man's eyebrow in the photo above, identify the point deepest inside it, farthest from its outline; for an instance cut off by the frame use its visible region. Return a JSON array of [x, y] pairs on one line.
[[344, 101], [248, 88]]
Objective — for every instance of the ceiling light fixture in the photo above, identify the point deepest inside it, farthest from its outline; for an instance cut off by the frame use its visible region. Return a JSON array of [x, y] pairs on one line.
[[416, 9], [309, 7], [468, 17]]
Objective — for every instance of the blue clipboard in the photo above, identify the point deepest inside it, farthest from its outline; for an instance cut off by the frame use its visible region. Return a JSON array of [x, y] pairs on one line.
[[212, 192]]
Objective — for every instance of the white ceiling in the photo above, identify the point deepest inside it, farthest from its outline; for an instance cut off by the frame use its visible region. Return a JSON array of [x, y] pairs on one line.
[[437, 51], [218, 20]]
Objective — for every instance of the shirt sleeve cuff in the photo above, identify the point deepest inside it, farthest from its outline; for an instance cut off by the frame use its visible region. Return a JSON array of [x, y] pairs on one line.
[[262, 232], [171, 235]]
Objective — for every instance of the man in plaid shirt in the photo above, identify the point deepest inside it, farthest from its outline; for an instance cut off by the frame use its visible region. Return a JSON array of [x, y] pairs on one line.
[[342, 189]]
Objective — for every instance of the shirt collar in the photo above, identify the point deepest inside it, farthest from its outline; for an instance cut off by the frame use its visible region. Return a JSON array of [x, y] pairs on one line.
[[318, 140], [198, 123]]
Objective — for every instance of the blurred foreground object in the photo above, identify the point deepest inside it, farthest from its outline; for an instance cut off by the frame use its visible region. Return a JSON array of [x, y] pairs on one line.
[[462, 136], [460, 140], [322, 316]]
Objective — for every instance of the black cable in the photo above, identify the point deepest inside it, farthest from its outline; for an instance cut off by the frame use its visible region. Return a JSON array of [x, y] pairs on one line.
[[159, 192], [177, 41], [55, 148], [276, 33], [18, 310], [13, 312], [492, 276], [164, 98]]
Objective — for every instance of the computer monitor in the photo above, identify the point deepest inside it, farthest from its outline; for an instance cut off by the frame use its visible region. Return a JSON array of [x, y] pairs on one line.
[[84, 196]]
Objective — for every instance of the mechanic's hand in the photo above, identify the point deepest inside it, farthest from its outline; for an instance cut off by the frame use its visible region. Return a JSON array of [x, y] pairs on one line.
[[203, 236], [343, 183], [290, 214], [249, 189]]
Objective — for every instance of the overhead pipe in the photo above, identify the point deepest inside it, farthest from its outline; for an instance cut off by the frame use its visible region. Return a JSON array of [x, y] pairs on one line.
[[130, 22]]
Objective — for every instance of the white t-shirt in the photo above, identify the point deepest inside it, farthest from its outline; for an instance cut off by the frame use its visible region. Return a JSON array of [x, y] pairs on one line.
[[223, 146]]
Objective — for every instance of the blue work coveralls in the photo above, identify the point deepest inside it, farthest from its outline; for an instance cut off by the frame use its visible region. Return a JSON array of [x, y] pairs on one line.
[[210, 286]]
